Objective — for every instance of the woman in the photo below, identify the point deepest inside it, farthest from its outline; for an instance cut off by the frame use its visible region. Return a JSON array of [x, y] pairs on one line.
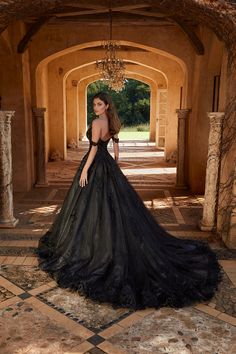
[[106, 244]]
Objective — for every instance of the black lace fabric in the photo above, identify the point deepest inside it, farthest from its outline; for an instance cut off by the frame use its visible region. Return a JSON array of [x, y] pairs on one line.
[[105, 244]]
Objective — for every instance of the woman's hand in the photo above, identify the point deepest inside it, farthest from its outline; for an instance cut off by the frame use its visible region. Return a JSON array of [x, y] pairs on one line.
[[83, 178]]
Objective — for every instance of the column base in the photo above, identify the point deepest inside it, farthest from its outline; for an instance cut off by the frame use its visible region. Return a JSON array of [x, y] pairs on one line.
[[204, 227], [181, 186], [229, 240], [9, 224], [41, 184]]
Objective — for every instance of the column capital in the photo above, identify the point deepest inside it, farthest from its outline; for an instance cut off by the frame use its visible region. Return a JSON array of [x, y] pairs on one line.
[[39, 112], [216, 117], [6, 114], [183, 113]]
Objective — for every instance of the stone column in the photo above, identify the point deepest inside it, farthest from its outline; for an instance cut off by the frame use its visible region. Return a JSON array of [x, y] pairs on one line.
[[40, 147], [153, 112], [180, 175], [230, 239], [72, 129], [212, 171], [82, 109], [7, 219]]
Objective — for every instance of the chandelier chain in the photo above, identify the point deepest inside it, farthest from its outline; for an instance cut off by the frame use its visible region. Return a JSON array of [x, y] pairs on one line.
[[111, 68]]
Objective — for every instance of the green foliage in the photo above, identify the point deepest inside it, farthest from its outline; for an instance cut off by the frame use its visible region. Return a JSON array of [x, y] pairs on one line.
[[143, 128], [132, 103]]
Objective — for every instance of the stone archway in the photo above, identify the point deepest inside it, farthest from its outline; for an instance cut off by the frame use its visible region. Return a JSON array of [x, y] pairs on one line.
[[82, 88], [167, 67], [78, 76]]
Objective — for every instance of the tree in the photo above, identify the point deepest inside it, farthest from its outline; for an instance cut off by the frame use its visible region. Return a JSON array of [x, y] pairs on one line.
[[132, 103]]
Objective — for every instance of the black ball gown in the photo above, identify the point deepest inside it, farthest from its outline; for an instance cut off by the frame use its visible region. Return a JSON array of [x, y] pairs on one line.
[[105, 244]]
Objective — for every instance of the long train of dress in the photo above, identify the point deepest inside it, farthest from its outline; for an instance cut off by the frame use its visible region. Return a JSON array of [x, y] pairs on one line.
[[105, 244]]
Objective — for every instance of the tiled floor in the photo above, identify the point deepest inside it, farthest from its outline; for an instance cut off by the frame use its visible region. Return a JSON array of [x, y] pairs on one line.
[[39, 317]]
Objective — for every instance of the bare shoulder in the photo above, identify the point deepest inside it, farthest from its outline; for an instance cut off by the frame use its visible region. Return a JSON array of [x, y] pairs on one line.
[[96, 125]]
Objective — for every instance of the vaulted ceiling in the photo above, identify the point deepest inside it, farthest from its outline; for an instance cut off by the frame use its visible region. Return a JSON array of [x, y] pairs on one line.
[[219, 15]]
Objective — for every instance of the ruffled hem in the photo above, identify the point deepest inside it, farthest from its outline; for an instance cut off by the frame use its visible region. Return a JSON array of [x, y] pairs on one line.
[[122, 294]]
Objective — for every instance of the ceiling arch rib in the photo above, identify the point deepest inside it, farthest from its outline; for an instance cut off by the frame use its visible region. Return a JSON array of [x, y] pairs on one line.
[[131, 75], [42, 65], [147, 80], [33, 30], [128, 61], [142, 14], [148, 74], [193, 38]]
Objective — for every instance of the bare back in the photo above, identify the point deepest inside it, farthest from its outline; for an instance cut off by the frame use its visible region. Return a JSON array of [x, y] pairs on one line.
[[105, 134]]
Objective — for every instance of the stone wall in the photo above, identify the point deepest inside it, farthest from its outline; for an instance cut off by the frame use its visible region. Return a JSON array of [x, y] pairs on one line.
[[15, 91]]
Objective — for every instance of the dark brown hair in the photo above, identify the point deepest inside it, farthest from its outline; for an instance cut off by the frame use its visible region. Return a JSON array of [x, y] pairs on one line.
[[113, 118]]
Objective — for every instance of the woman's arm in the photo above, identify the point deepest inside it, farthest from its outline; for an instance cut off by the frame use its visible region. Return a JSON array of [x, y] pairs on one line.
[[116, 146], [96, 129]]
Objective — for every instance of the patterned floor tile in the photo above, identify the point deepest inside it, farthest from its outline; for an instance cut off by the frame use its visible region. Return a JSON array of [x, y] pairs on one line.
[[189, 330], [60, 194], [165, 215], [26, 277], [191, 215], [225, 297], [5, 294], [18, 251], [92, 315], [177, 331], [95, 351], [24, 329], [225, 253]]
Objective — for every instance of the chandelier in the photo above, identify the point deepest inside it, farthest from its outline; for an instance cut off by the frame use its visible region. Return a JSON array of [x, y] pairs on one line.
[[111, 68]]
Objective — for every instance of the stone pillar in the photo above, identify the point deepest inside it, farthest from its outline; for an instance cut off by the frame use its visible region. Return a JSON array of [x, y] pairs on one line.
[[181, 138], [212, 171], [40, 147], [161, 121], [7, 219], [82, 109], [230, 240], [72, 129], [153, 112]]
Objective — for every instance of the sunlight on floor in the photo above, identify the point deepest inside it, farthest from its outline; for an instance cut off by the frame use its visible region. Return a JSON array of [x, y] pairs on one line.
[[41, 210], [149, 171], [141, 154]]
